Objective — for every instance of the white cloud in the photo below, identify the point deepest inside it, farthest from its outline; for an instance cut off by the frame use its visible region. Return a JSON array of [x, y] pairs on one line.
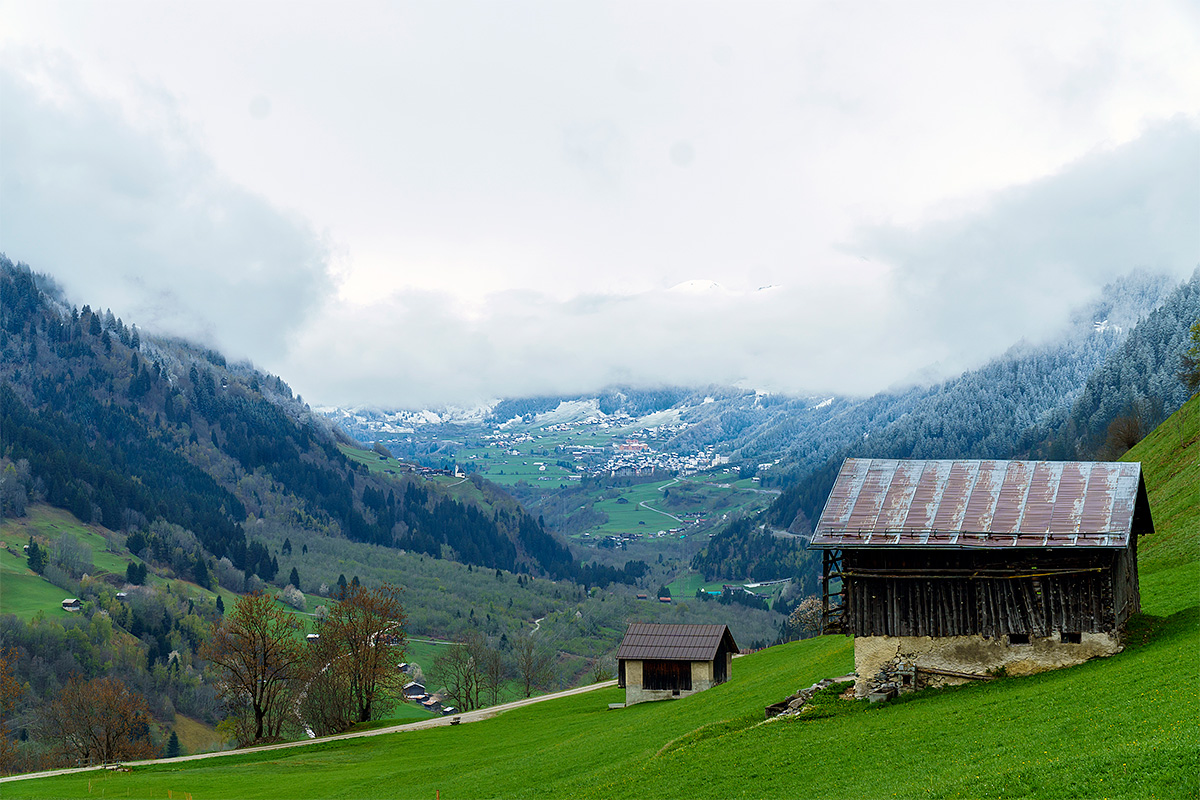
[[510, 190], [971, 285], [133, 216]]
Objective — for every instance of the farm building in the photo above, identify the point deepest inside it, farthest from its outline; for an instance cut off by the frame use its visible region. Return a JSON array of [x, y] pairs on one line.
[[946, 571], [658, 662]]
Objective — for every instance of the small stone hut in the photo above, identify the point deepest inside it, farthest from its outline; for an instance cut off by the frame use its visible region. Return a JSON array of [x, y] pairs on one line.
[[949, 570], [659, 662]]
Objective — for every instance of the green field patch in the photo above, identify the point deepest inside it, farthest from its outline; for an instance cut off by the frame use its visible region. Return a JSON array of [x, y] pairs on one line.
[[24, 593]]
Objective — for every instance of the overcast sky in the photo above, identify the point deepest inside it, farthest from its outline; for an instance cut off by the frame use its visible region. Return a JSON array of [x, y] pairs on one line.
[[411, 204]]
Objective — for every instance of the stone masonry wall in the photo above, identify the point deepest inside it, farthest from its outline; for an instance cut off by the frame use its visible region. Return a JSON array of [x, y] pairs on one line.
[[885, 661]]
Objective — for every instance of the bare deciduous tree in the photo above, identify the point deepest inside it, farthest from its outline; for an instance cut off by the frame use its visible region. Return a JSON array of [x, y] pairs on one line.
[[258, 650], [363, 642], [534, 662], [10, 692], [493, 669], [456, 671], [97, 722]]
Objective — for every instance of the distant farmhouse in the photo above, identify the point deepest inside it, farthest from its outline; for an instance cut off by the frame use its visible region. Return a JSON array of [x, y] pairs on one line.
[[659, 662], [946, 571]]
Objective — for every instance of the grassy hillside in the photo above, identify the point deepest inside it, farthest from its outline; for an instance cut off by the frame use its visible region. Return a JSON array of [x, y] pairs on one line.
[[1118, 727]]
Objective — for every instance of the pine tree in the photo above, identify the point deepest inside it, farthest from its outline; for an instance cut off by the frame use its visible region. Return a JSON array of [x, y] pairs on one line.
[[37, 559], [294, 578], [220, 606], [173, 746]]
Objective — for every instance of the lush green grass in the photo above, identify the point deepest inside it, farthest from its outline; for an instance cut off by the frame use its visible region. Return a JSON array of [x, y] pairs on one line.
[[24, 593], [685, 586], [1124, 726]]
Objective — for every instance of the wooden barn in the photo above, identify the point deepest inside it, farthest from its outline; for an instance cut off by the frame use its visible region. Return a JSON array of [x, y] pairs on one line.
[[659, 662], [949, 570]]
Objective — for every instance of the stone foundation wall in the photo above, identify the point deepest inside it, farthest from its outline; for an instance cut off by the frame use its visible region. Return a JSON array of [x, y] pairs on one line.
[[881, 661]]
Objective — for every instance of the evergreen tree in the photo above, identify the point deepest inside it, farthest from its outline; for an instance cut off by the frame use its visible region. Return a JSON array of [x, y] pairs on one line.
[[220, 606], [173, 746], [37, 559], [294, 578]]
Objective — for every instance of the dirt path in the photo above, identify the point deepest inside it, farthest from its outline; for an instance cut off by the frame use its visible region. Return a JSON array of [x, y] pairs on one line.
[[470, 716]]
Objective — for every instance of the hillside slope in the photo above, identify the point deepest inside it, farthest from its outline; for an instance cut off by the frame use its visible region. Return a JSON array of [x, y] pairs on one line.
[[1123, 726], [125, 429]]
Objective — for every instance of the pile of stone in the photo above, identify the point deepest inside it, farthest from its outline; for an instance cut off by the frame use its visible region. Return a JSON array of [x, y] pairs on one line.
[[798, 702], [896, 676]]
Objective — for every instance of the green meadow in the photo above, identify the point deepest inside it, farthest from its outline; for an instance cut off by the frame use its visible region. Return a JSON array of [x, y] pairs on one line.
[[1124, 726]]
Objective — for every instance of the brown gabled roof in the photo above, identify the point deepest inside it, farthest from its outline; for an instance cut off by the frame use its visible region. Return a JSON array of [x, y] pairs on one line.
[[893, 503], [646, 640]]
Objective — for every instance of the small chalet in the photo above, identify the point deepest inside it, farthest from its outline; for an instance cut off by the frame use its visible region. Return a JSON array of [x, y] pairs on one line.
[[659, 662], [71, 604], [945, 571]]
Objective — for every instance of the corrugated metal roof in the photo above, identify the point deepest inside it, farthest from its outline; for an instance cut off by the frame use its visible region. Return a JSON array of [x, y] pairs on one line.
[[646, 640], [960, 503]]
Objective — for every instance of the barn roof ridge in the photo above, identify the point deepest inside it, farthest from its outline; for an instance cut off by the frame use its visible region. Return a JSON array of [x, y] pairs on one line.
[[983, 503]]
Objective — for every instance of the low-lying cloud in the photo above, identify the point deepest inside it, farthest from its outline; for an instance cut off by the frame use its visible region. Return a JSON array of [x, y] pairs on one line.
[[132, 215]]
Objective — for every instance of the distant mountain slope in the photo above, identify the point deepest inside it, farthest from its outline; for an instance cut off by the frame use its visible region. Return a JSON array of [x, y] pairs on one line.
[[125, 429], [1048, 401], [1139, 379]]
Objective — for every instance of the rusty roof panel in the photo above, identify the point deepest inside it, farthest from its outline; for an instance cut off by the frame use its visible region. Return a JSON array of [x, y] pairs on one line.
[[841, 498], [956, 492], [899, 497], [926, 496], [870, 496], [1039, 503], [1010, 502], [967, 503], [982, 504], [1068, 504], [1097, 504]]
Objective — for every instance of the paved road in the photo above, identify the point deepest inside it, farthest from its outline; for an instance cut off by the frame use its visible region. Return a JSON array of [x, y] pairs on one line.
[[470, 716]]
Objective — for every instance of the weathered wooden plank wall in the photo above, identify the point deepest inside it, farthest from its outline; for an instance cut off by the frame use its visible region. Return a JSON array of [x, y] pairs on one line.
[[958, 593]]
